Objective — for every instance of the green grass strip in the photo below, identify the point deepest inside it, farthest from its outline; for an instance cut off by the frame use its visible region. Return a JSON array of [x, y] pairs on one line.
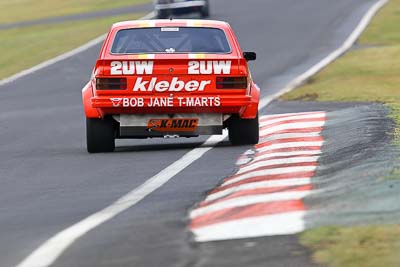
[[25, 47], [25, 10], [361, 246]]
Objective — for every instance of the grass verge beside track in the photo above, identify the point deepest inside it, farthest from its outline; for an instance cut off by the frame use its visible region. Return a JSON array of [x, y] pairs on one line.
[[26, 10], [27, 46], [369, 72], [362, 246]]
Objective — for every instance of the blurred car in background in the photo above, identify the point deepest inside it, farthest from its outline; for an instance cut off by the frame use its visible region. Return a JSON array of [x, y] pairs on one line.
[[166, 8]]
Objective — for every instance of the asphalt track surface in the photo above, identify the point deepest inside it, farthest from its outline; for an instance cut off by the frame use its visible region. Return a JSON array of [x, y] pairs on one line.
[[49, 182]]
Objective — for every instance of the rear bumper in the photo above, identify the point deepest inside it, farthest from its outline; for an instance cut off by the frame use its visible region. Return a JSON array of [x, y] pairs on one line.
[[246, 106], [137, 126], [180, 5], [170, 105]]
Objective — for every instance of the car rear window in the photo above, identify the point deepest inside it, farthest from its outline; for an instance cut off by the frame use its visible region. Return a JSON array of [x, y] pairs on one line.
[[170, 40]]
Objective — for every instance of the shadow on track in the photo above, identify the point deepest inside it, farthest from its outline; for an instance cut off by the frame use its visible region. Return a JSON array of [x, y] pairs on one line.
[[169, 146]]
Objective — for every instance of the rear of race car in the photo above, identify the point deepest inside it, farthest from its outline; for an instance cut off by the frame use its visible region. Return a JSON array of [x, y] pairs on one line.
[[166, 8], [164, 78]]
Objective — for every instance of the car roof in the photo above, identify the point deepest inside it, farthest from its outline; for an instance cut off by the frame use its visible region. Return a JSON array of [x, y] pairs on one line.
[[170, 23]]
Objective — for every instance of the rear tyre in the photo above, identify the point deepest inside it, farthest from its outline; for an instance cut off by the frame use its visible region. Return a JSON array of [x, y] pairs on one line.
[[242, 131], [205, 11], [100, 135]]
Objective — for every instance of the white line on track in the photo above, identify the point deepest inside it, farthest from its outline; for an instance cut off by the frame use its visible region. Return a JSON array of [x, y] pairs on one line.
[[249, 200], [348, 43], [284, 170], [61, 57], [257, 185], [48, 252], [285, 224]]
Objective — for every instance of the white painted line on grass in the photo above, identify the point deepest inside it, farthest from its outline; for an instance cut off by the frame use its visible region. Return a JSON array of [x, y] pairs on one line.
[[61, 57], [52, 61]]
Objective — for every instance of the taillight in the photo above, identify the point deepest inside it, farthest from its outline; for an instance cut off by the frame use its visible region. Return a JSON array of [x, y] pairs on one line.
[[231, 82], [111, 83]]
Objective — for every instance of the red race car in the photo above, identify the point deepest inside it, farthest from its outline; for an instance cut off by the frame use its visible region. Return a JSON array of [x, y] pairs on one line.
[[170, 78]]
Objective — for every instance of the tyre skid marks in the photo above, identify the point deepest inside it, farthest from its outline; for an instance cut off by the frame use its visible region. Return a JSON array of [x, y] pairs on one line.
[[265, 196]]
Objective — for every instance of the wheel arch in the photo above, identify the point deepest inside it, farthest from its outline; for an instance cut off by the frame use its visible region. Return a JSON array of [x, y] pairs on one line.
[[87, 94], [251, 111]]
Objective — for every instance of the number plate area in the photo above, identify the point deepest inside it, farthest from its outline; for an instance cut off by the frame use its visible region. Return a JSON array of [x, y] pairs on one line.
[[160, 125], [171, 125]]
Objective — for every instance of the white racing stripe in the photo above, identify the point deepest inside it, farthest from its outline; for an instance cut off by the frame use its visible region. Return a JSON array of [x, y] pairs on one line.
[[286, 154], [258, 185], [289, 126], [320, 115], [266, 163], [290, 145], [270, 172], [278, 224], [249, 200]]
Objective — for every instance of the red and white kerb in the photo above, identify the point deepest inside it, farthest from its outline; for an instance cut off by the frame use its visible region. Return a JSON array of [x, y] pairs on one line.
[[265, 196]]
